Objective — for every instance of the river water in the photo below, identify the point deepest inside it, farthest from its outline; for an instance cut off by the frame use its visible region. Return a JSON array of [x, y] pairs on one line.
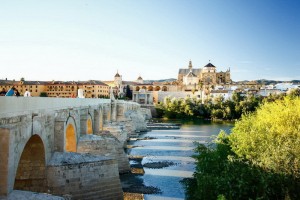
[[176, 148]]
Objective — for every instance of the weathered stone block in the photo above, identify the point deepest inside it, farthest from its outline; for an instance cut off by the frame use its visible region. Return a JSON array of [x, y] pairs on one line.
[[110, 146], [84, 175]]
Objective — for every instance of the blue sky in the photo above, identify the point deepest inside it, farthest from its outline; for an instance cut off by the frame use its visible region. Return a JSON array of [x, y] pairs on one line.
[[92, 39]]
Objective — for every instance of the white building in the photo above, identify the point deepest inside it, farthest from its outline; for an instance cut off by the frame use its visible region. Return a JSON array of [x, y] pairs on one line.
[[226, 94], [266, 92]]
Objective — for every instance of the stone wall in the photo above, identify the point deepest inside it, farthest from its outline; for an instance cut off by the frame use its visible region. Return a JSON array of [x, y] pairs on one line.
[[105, 145], [4, 164], [22, 105], [118, 131], [137, 120], [84, 176], [25, 195], [146, 112]]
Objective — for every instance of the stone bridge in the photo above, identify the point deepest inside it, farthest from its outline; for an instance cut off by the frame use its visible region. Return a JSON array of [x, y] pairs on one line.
[[65, 147]]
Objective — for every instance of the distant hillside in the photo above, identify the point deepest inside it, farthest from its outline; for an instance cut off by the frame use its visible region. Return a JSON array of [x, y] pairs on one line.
[[271, 82], [161, 80]]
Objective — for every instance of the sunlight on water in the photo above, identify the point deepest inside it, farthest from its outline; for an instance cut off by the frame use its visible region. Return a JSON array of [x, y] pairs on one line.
[[152, 197], [173, 148], [162, 158], [171, 140], [168, 172], [166, 148], [179, 131], [184, 136]]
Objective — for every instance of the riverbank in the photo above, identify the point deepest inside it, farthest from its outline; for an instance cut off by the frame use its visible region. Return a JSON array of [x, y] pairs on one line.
[[132, 182]]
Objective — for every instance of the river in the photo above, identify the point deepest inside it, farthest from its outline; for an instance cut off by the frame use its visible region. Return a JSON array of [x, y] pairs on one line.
[[173, 148]]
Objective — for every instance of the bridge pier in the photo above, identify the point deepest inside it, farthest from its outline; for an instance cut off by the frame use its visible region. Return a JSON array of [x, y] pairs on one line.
[[84, 176], [4, 164]]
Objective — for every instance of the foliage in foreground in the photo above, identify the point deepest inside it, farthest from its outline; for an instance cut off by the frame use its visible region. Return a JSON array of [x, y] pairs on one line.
[[270, 138], [258, 160]]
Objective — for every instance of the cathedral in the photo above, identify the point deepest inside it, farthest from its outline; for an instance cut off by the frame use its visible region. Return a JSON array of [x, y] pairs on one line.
[[192, 78]]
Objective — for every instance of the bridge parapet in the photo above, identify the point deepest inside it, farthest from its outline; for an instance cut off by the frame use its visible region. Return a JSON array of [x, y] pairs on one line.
[[17, 105]]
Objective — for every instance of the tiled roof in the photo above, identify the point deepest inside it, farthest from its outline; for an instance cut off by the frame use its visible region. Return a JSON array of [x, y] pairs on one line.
[[13, 82], [186, 71], [89, 82], [129, 83], [92, 82], [191, 74]]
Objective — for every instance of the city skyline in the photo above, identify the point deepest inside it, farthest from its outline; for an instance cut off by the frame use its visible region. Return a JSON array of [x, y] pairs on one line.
[[84, 40]]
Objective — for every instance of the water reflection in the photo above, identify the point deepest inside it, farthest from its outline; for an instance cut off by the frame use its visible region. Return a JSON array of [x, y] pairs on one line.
[[176, 147]]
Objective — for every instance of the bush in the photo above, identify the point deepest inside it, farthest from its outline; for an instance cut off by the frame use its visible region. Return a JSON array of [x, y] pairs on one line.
[[270, 138], [260, 159], [43, 94]]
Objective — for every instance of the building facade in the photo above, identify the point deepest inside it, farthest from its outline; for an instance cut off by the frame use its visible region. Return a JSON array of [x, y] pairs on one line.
[[63, 89], [198, 78]]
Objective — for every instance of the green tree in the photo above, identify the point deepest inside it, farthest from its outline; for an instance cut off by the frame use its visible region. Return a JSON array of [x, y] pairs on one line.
[[270, 138], [294, 92], [128, 92], [260, 159], [43, 94]]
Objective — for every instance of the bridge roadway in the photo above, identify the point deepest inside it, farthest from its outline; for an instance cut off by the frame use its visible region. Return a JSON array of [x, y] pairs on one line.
[[44, 141]]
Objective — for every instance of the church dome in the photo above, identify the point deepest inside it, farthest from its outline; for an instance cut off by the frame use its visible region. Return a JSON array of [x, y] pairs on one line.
[[139, 78]]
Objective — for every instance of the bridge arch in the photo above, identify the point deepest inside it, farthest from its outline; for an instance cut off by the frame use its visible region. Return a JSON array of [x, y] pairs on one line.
[[150, 88], [89, 124], [31, 171], [70, 144]]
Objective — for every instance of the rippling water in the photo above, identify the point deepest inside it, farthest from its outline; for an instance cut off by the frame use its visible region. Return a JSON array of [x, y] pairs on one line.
[[175, 146]]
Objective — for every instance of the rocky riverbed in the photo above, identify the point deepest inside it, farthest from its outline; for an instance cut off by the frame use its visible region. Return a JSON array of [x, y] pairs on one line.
[[133, 185]]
